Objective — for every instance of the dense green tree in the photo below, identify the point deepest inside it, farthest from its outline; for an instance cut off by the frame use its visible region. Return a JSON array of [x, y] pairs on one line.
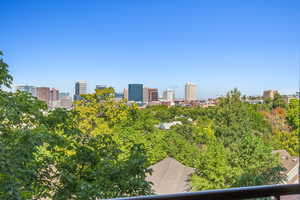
[[102, 148], [198, 132], [24, 170], [259, 166], [293, 113], [284, 133], [233, 119], [5, 77], [179, 148], [61, 154], [278, 101], [213, 170], [91, 168]]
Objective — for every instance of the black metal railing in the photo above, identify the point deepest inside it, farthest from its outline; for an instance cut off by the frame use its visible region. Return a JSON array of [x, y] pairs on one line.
[[275, 191]]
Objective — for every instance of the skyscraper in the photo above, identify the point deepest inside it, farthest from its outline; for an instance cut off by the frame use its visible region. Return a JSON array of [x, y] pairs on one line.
[[269, 94], [80, 88], [135, 92], [43, 94], [146, 95], [153, 94], [27, 88], [169, 95], [54, 94], [125, 93], [190, 92]]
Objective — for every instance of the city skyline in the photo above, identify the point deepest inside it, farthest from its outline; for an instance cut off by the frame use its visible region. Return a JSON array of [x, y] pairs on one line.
[[253, 46], [189, 94]]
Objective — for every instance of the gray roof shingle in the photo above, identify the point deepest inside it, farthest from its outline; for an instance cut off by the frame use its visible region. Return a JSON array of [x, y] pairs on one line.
[[170, 176]]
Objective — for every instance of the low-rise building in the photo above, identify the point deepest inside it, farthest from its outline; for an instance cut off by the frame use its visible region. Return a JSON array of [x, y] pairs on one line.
[[288, 98], [255, 101], [168, 125], [66, 102]]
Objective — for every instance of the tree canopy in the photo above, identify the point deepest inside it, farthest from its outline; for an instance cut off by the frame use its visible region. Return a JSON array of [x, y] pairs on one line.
[[103, 148]]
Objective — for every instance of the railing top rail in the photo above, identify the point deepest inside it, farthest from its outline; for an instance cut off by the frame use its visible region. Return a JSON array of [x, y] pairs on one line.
[[226, 194]]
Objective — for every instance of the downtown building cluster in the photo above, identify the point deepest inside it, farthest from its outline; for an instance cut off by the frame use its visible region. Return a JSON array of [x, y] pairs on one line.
[[150, 96], [51, 96], [137, 93]]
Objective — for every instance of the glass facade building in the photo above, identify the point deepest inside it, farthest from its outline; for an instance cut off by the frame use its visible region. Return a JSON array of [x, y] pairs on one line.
[[135, 92], [27, 88], [80, 88]]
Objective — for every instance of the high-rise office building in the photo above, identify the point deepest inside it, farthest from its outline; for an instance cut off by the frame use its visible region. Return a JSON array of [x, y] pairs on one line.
[[190, 92], [54, 94], [125, 93], [269, 94], [153, 94], [80, 88], [135, 92], [27, 88], [146, 95], [54, 98], [43, 94], [169, 95]]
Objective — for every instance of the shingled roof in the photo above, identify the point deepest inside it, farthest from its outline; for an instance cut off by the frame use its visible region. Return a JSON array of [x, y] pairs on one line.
[[170, 176]]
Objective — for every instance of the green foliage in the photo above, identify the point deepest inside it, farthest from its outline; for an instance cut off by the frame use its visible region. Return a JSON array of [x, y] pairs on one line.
[[258, 164], [103, 148], [64, 154], [242, 158], [213, 170], [293, 113], [178, 147], [24, 170], [5, 78], [278, 101], [94, 170], [106, 93], [233, 119], [199, 132], [20, 110], [285, 127], [160, 112]]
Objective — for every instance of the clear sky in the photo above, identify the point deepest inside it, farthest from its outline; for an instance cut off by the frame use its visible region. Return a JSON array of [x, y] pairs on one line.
[[249, 44]]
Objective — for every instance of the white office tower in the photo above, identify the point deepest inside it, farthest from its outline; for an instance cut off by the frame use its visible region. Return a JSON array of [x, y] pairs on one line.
[[125, 93], [27, 88], [169, 95], [80, 88], [146, 95], [190, 92]]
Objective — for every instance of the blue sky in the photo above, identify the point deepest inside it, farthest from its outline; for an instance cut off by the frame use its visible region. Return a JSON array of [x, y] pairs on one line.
[[252, 44]]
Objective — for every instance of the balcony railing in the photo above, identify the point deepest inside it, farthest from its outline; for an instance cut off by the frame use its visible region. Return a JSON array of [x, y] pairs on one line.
[[275, 191]]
